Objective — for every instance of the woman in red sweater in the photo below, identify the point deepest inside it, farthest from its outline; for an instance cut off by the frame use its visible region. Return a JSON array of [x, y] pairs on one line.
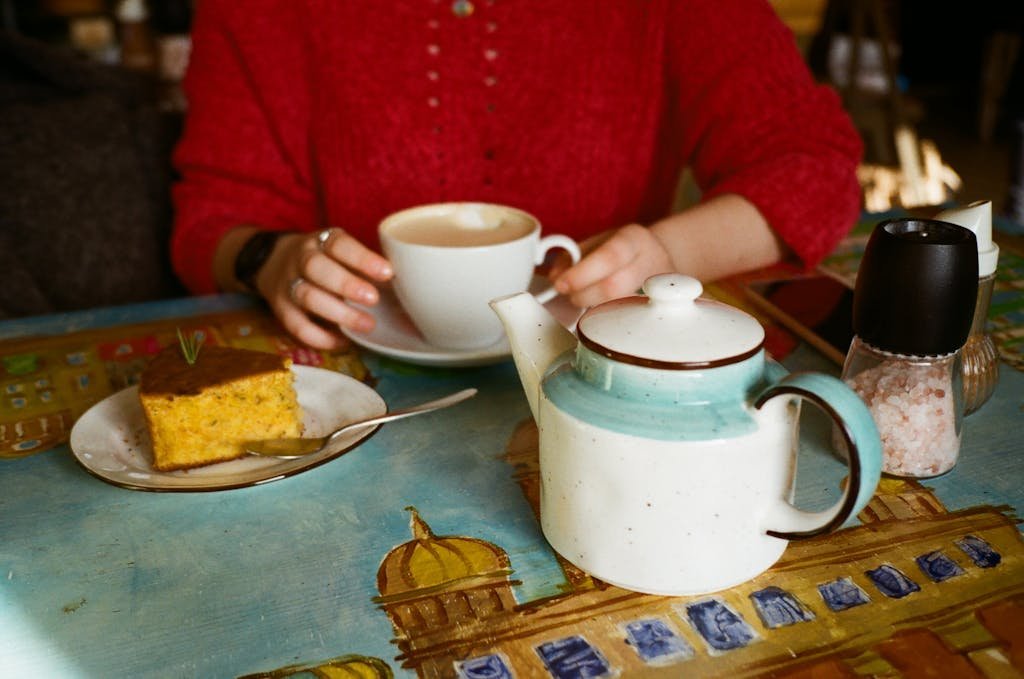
[[311, 120]]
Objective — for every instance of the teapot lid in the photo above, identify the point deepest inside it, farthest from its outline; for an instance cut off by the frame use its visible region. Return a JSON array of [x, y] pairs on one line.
[[670, 327]]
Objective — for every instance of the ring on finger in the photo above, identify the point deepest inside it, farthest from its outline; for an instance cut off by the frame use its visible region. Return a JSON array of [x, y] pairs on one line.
[[322, 237], [294, 286]]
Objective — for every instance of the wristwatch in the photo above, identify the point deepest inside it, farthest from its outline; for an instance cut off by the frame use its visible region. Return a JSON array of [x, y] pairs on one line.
[[253, 255]]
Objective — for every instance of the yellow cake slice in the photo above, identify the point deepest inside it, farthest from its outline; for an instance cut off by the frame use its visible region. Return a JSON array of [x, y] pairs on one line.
[[202, 413]]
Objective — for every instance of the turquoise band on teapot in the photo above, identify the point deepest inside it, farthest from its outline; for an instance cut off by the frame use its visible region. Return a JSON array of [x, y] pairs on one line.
[[667, 405]]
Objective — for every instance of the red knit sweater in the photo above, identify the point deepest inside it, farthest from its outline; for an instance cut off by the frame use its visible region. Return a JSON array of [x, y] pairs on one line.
[[306, 113]]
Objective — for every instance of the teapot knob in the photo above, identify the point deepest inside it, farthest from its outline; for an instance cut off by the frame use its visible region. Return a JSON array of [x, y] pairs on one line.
[[672, 288]]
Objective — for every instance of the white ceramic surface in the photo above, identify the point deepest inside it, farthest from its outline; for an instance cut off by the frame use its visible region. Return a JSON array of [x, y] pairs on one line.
[[671, 323], [111, 440], [662, 517], [395, 336], [446, 289]]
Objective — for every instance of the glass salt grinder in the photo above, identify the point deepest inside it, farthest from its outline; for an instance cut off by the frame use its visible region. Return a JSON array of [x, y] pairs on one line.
[[912, 308], [980, 356]]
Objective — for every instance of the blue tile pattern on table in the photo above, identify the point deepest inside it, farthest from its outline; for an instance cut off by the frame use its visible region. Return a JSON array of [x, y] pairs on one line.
[[938, 567], [721, 627], [892, 582], [777, 608], [842, 593], [655, 642], [981, 552], [573, 658], [484, 667]]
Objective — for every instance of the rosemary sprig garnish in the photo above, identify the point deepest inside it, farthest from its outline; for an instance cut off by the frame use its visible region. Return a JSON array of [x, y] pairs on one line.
[[190, 345]]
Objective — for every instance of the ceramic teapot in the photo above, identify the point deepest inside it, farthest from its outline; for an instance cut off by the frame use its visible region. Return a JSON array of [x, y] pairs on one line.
[[668, 440]]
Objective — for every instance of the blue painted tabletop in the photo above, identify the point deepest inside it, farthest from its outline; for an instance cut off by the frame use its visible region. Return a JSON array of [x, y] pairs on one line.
[[99, 581]]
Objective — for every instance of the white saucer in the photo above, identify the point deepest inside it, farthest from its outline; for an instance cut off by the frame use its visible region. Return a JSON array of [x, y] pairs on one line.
[[111, 440], [395, 335]]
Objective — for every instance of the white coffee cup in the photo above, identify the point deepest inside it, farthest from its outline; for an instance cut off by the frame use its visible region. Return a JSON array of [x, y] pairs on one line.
[[451, 259]]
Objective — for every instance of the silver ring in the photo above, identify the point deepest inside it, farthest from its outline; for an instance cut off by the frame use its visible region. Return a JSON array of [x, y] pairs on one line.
[[322, 237], [295, 286]]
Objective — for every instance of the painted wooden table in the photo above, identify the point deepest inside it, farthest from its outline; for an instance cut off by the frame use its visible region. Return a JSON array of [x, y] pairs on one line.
[[419, 554]]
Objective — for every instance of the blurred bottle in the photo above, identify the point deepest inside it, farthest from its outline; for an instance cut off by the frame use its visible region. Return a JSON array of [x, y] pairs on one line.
[[1015, 192], [95, 36], [172, 21], [980, 356], [138, 44], [85, 25]]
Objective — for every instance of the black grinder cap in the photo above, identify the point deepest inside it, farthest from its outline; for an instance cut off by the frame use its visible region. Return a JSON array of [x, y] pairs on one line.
[[917, 285]]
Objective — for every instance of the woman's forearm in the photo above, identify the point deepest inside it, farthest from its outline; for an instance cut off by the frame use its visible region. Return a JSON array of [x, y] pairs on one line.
[[720, 237]]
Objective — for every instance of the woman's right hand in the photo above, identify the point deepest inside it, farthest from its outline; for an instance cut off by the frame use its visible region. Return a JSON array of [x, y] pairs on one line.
[[311, 280]]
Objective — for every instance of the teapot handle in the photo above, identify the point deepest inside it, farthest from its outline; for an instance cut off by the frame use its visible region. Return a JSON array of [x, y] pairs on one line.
[[864, 459]]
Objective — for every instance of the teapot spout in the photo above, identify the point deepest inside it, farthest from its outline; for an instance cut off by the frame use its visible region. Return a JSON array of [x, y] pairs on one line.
[[536, 338]]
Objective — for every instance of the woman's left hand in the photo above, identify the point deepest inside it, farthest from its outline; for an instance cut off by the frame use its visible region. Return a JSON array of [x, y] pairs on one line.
[[315, 283], [616, 264]]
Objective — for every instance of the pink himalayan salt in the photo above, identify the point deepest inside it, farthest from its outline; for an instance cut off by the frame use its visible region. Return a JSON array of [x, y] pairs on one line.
[[913, 408]]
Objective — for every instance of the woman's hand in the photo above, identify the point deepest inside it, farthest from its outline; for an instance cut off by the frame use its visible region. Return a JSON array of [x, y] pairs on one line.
[[720, 237], [310, 281], [616, 264]]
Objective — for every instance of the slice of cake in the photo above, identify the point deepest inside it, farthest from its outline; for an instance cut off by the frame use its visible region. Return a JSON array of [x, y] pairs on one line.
[[202, 412]]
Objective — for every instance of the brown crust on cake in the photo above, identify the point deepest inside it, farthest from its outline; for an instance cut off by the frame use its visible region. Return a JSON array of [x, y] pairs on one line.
[[169, 373]]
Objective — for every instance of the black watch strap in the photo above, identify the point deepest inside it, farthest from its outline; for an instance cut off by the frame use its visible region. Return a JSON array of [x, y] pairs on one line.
[[253, 255]]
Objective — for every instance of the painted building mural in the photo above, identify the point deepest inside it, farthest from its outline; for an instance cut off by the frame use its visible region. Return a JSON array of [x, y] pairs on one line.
[[910, 592]]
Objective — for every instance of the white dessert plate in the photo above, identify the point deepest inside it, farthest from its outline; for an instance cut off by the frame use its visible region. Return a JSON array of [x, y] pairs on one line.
[[111, 440], [395, 335]]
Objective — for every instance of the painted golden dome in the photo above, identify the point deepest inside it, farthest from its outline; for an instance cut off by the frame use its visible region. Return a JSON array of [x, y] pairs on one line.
[[427, 562], [342, 667]]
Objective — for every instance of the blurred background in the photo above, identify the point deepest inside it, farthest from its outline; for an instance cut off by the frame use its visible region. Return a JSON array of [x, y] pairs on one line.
[[923, 78], [91, 107], [935, 87]]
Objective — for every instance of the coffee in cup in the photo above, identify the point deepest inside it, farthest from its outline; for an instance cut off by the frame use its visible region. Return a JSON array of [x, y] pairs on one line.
[[451, 259]]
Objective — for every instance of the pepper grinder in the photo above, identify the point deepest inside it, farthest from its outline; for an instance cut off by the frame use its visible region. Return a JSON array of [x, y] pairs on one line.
[[912, 308], [980, 356]]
